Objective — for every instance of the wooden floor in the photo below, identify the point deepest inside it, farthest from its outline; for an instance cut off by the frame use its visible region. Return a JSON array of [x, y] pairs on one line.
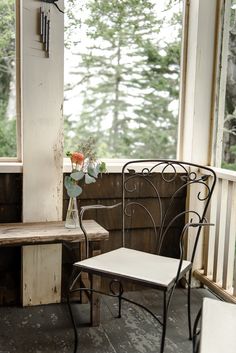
[[47, 329]]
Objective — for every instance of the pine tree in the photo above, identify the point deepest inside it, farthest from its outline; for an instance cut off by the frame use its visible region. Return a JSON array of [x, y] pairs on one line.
[[124, 78]]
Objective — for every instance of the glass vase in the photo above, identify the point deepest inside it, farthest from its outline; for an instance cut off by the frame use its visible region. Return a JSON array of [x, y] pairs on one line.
[[72, 216]]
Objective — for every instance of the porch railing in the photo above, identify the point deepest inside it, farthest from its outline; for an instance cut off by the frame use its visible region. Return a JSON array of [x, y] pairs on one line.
[[218, 271]]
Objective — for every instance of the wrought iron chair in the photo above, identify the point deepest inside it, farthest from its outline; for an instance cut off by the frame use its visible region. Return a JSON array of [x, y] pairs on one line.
[[196, 332], [176, 198]]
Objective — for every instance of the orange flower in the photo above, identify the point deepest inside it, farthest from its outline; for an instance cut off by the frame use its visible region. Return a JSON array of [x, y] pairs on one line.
[[77, 157]]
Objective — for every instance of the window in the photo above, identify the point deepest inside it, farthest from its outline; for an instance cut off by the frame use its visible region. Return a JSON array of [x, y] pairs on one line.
[[8, 111], [226, 112], [122, 69]]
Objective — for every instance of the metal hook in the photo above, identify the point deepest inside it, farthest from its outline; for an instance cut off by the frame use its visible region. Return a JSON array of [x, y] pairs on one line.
[[54, 3]]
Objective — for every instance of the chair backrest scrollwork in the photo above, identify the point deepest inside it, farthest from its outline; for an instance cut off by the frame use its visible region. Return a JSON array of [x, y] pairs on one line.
[[167, 196]]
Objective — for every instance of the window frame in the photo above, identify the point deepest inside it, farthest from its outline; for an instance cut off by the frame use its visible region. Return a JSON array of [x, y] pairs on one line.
[[220, 82], [115, 164], [5, 160]]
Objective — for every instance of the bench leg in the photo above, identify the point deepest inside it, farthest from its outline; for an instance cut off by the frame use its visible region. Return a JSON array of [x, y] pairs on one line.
[[41, 274]]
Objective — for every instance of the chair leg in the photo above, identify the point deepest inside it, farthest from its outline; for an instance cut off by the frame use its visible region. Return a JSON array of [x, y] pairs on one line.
[[73, 323], [196, 332], [91, 299], [73, 280], [119, 303], [165, 311], [189, 307]]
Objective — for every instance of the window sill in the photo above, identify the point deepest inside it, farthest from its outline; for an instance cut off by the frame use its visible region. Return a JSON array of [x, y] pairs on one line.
[[113, 165], [11, 167]]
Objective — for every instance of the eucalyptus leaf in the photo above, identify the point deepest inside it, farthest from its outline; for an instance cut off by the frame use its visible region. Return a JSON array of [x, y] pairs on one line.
[[74, 191], [92, 171], [89, 179], [77, 175], [68, 182]]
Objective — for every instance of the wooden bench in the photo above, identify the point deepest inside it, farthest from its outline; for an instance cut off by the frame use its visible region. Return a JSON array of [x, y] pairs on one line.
[[218, 327], [41, 245]]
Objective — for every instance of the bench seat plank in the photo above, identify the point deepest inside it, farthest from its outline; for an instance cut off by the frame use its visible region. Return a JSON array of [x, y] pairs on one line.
[[48, 232], [42, 255]]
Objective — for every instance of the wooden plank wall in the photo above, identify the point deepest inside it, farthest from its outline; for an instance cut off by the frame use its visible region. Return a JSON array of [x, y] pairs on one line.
[[10, 257], [107, 191]]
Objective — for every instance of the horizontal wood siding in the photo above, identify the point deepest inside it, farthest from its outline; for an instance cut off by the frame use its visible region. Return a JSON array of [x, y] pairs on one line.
[[140, 236], [107, 191], [10, 257], [10, 198]]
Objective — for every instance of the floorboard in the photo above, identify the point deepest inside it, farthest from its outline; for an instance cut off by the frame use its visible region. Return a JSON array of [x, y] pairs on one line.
[[47, 328]]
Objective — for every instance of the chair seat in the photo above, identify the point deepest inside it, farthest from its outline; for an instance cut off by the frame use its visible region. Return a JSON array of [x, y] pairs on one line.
[[218, 327], [140, 266]]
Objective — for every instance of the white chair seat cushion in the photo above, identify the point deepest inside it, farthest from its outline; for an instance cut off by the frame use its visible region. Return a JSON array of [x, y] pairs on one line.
[[218, 328], [136, 265]]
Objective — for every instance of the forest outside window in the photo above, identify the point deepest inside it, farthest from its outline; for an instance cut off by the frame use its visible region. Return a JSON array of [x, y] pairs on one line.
[[226, 107], [8, 74], [122, 73]]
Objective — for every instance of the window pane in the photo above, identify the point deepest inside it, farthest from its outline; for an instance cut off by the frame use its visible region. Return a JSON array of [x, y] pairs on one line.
[[229, 128], [7, 79], [122, 69]]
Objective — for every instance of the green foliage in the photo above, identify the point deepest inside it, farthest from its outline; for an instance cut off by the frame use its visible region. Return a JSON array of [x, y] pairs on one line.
[[7, 68], [129, 78], [7, 138], [230, 166], [229, 135]]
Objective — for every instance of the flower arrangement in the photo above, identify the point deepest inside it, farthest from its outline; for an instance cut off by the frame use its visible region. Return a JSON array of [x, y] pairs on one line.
[[85, 166]]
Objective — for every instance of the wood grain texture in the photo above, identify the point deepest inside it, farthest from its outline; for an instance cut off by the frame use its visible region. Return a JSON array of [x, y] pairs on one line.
[[10, 197], [42, 105], [23, 233], [106, 191], [41, 274], [109, 186], [48, 328], [10, 258]]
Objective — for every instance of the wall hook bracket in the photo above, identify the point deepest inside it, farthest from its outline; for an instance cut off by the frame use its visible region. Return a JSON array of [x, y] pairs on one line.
[[54, 3]]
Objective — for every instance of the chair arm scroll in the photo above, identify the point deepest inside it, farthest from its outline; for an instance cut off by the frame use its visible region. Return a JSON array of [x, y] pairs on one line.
[[83, 209]]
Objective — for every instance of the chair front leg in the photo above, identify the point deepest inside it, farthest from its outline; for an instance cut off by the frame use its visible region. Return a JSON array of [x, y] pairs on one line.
[[164, 323], [73, 323], [196, 332], [71, 289], [189, 306]]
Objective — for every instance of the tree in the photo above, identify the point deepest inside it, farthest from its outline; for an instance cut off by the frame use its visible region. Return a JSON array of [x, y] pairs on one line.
[[229, 137], [129, 78], [7, 67]]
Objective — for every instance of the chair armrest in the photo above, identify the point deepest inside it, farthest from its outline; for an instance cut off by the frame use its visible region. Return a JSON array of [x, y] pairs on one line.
[[83, 209], [92, 207], [190, 224]]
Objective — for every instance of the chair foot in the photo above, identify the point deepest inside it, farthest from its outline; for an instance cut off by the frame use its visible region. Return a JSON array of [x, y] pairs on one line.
[[163, 341], [73, 323]]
